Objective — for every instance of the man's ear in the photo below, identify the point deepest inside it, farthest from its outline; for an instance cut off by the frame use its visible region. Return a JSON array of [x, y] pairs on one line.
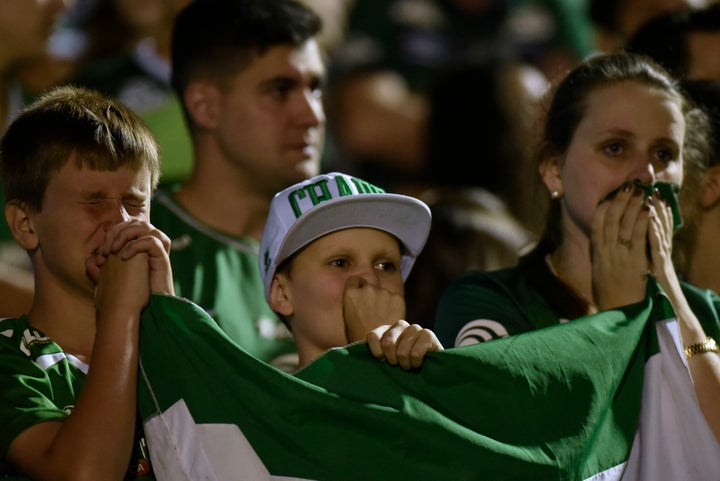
[[549, 168], [279, 299], [710, 195], [19, 218], [202, 100]]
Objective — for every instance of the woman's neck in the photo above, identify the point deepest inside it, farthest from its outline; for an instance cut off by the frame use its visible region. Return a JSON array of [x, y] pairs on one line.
[[571, 263]]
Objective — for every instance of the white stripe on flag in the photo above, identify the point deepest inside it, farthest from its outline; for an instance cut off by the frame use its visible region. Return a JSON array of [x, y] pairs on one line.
[[182, 450], [613, 474], [674, 440]]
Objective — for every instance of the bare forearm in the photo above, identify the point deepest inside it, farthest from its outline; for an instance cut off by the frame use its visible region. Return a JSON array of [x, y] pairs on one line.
[[705, 371], [704, 367], [107, 403]]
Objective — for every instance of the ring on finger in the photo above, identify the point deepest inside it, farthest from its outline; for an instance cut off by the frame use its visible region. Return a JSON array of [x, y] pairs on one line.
[[625, 242]]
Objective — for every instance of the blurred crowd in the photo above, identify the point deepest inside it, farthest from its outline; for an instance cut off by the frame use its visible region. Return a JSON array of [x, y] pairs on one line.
[[438, 99], [510, 120]]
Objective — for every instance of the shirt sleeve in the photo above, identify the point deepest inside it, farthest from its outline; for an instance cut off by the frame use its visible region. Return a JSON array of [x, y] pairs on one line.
[[26, 396]]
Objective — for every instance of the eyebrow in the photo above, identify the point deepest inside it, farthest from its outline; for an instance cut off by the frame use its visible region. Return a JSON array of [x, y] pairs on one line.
[[314, 79], [628, 133], [616, 131], [98, 194]]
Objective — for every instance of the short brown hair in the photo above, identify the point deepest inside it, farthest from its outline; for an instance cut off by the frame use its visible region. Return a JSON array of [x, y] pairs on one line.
[[101, 134]]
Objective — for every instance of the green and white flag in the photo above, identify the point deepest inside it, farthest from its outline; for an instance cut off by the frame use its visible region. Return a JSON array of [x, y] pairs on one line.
[[606, 397]]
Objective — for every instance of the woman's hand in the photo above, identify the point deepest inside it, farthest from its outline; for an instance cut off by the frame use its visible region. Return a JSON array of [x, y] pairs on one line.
[[660, 234], [619, 239]]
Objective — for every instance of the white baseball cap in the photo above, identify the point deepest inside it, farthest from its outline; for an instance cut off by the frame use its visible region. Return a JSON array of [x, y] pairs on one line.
[[330, 202]]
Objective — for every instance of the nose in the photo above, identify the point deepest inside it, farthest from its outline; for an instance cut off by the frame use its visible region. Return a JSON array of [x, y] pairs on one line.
[[368, 274], [643, 171], [116, 213]]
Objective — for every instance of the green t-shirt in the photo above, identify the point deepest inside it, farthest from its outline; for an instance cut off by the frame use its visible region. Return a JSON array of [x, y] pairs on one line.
[[220, 273], [481, 306], [39, 382]]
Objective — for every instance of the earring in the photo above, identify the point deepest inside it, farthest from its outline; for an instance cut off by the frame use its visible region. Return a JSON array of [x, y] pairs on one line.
[[554, 194]]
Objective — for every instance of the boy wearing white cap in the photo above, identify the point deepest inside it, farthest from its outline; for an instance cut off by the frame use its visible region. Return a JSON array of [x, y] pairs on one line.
[[334, 255]]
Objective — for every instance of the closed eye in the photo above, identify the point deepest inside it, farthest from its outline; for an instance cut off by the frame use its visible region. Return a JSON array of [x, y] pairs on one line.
[[135, 208], [133, 205]]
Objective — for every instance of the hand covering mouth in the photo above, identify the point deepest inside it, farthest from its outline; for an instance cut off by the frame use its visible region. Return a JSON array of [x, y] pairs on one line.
[[668, 192]]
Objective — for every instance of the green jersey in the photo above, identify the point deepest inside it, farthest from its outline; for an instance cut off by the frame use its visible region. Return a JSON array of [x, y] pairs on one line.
[[39, 382], [481, 306], [220, 273]]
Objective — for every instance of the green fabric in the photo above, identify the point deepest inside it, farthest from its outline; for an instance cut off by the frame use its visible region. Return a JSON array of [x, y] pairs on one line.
[[168, 125], [221, 274], [667, 191], [575, 30], [556, 404]]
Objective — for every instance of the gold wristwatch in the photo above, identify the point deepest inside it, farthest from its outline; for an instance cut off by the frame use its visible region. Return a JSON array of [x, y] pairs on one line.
[[701, 347]]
